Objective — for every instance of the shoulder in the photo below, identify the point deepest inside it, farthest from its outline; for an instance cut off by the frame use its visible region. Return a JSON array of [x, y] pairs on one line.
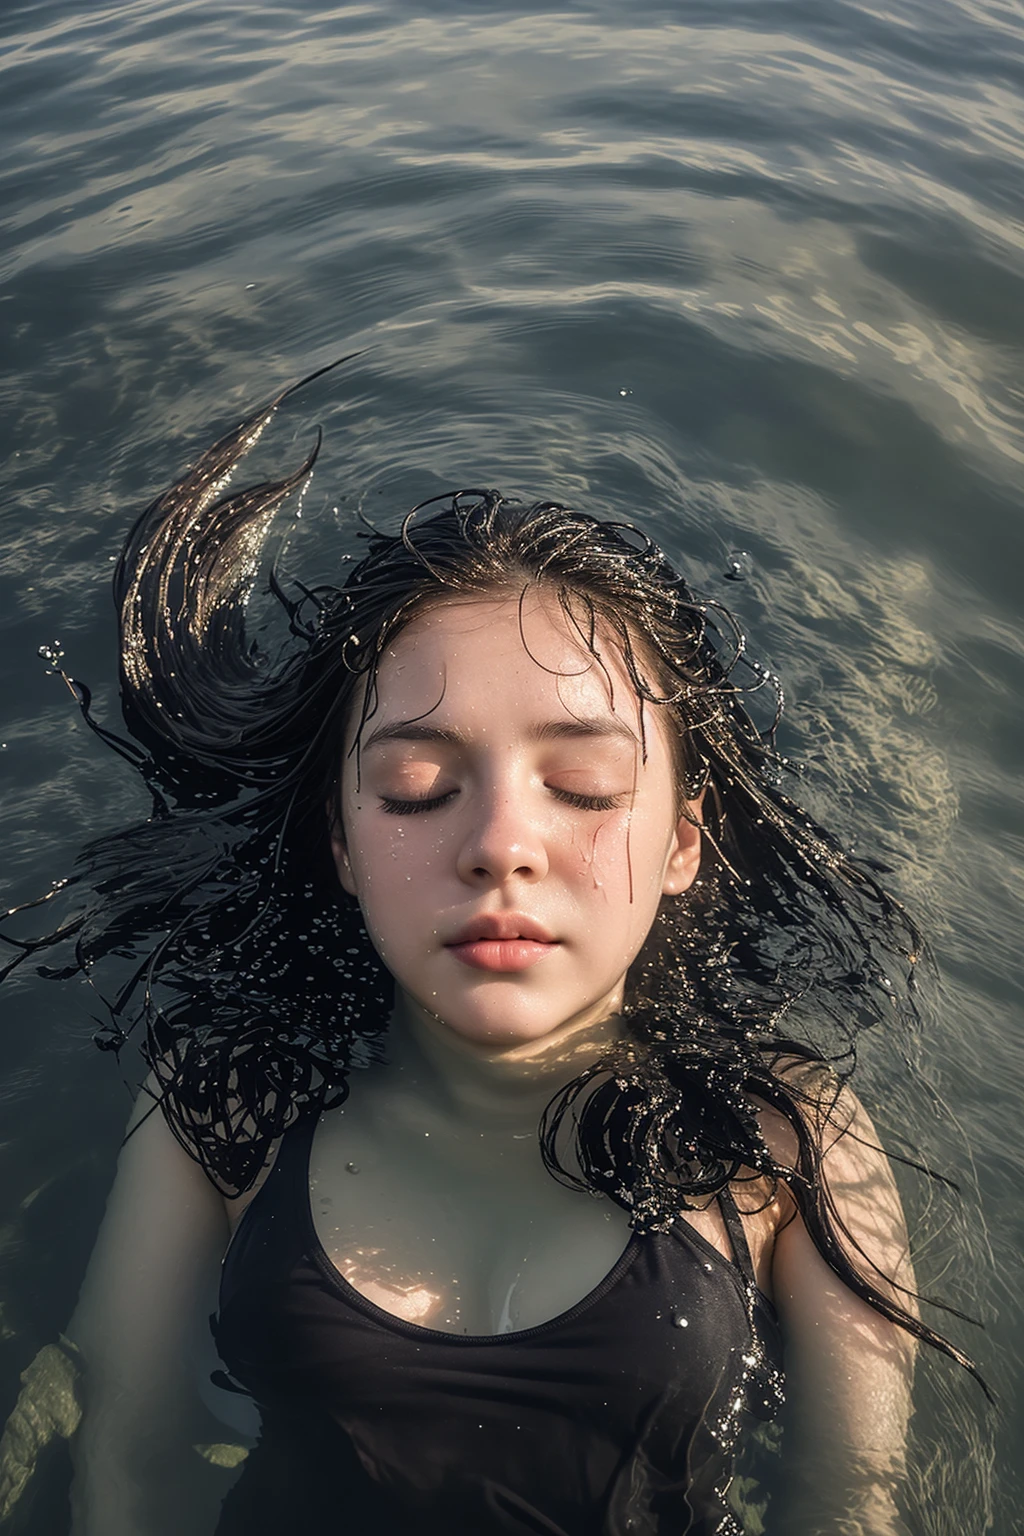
[[834, 1152], [173, 1135], [824, 1114]]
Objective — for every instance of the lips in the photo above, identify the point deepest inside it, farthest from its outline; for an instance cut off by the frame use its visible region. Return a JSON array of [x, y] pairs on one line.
[[501, 926], [501, 941]]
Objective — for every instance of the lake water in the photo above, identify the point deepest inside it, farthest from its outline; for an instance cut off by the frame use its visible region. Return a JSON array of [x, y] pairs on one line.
[[748, 271]]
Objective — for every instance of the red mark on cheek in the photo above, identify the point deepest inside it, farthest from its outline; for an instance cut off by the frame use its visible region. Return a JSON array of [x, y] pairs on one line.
[[593, 855]]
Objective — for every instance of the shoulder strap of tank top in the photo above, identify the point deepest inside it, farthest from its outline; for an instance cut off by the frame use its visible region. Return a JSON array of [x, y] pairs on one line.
[[298, 1141], [271, 1233], [291, 1165], [737, 1236]]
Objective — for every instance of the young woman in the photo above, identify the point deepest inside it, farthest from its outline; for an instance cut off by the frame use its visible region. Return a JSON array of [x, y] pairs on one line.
[[498, 1005]]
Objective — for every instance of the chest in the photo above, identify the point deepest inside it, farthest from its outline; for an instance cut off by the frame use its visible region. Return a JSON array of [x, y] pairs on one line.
[[461, 1238]]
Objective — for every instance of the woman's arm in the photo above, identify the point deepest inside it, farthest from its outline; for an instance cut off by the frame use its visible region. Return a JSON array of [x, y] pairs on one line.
[[849, 1371], [148, 1281]]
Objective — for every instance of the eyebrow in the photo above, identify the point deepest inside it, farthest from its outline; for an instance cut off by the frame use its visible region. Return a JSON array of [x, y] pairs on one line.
[[607, 726]]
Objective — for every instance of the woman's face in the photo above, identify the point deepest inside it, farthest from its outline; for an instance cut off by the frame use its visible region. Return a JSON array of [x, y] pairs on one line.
[[506, 841]]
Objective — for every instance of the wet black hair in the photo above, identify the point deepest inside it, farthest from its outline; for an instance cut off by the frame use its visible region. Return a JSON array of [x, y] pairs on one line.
[[251, 976]]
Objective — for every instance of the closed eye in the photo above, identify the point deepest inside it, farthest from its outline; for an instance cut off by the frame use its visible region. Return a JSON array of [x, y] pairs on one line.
[[433, 802], [415, 807], [588, 802]]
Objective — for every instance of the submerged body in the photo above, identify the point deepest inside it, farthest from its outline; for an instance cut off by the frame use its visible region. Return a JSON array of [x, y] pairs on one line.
[[616, 1415]]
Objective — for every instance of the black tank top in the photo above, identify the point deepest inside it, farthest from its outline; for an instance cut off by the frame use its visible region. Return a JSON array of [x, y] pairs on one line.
[[616, 1418]]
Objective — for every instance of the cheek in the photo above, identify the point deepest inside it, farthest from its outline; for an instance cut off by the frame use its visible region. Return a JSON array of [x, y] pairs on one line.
[[390, 855], [624, 854]]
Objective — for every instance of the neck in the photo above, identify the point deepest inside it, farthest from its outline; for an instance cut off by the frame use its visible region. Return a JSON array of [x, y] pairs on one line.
[[490, 1087]]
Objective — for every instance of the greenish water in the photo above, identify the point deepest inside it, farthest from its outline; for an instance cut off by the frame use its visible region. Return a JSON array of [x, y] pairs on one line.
[[750, 273]]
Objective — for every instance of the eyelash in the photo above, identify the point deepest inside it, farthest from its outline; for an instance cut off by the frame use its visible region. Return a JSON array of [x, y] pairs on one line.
[[413, 807], [588, 802], [578, 802]]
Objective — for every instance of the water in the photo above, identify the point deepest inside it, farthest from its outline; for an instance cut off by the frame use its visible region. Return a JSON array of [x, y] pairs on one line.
[[751, 272]]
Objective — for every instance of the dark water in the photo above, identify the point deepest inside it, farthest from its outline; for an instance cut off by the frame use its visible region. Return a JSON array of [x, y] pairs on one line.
[[750, 271]]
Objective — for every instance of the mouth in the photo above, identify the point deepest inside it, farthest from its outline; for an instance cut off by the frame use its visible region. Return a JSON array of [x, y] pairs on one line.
[[502, 942]]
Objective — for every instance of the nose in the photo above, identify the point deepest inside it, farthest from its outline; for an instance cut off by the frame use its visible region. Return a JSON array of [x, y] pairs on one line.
[[502, 842]]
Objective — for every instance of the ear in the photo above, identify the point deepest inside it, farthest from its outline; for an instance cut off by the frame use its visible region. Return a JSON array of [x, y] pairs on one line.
[[684, 856], [339, 851]]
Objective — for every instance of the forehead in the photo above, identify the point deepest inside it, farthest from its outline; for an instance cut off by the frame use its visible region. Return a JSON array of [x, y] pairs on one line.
[[510, 651]]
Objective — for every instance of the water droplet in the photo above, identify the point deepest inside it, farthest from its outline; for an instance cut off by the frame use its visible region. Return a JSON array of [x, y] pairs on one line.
[[351, 1167], [679, 1321]]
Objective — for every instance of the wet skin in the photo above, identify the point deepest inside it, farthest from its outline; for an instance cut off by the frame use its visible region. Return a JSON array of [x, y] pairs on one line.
[[502, 788]]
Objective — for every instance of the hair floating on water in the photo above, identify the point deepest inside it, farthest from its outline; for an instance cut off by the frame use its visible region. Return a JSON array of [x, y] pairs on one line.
[[254, 984]]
